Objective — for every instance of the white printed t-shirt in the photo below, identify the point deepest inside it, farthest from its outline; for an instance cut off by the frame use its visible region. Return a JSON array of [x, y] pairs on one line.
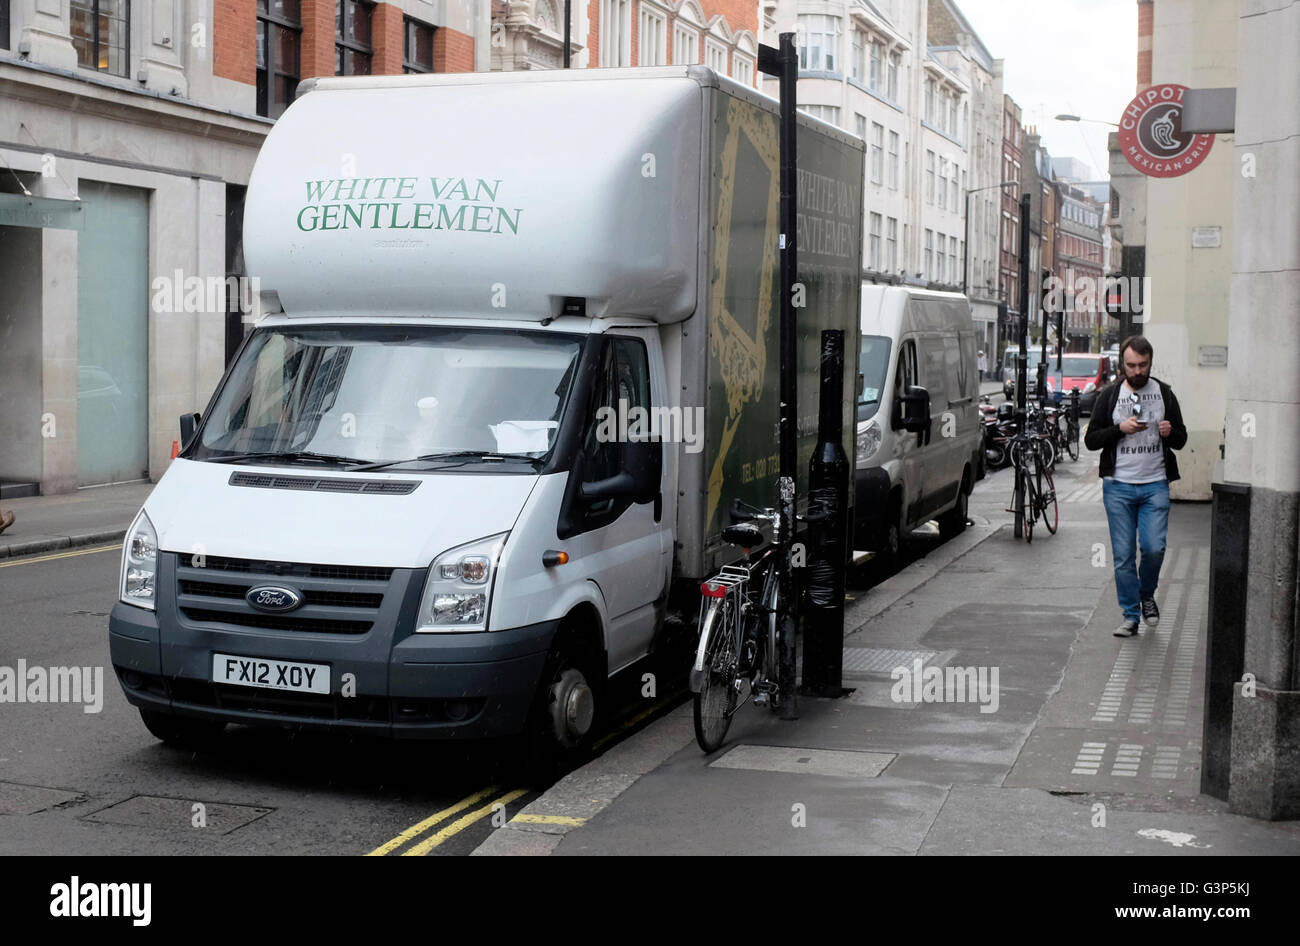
[[1140, 456]]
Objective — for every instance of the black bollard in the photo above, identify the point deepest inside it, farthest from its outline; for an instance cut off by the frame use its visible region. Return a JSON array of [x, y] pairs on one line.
[[828, 493]]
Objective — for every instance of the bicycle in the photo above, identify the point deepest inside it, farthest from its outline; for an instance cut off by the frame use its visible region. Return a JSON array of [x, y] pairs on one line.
[[1034, 493], [1068, 425], [738, 631]]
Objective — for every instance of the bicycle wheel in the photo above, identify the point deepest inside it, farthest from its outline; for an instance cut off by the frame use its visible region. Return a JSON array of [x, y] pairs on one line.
[[1018, 504], [1046, 500], [715, 702], [1072, 441], [1027, 513]]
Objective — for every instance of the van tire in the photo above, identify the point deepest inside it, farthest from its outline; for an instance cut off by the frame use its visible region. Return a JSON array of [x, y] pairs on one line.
[[953, 522], [568, 690], [891, 540], [183, 732]]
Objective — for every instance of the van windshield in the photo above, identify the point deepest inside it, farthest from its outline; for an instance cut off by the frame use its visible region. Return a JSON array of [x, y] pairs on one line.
[[375, 394], [874, 366]]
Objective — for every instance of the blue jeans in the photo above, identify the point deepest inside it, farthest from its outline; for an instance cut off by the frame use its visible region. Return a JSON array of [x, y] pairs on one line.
[[1141, 511]]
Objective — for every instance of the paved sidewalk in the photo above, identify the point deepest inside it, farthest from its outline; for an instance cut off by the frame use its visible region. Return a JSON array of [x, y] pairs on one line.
[[86, 517], [1092, 746]]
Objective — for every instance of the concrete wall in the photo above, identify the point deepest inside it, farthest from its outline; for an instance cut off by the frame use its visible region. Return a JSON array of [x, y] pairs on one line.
[[20, 353], [1194, 44]]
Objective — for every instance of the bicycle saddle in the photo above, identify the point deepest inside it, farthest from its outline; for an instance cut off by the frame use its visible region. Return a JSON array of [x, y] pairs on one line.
[[745, 534]]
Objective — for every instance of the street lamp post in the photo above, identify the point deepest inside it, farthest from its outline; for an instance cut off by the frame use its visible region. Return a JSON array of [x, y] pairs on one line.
[[965, 251]]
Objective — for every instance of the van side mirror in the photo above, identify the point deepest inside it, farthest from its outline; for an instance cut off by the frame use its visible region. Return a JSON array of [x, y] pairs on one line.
[[189, 424], [915, 414], [640, 468]]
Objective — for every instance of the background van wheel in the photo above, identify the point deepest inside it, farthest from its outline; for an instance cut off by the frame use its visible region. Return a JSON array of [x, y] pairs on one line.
[[953, 522], [184, 732]]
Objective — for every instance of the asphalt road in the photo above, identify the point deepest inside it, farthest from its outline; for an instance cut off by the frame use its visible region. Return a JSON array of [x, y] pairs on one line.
[[76, 782]]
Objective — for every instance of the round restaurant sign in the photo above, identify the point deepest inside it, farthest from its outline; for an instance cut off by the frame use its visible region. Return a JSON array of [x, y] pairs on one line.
[[1152, 137]]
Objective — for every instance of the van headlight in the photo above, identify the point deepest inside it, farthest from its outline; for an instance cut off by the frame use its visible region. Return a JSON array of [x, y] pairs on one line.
[[1090, 387], [868, 442], [458, 591], [139, 563]]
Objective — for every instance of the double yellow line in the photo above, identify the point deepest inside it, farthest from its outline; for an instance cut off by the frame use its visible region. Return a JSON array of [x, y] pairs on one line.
[[427, 844], [52, 557]]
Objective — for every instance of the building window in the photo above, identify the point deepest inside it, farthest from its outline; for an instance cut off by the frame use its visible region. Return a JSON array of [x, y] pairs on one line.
[[417, 50], [952, 259], [279, 38], [874, 260], [893, 160], [4, 24], [743, 70], [929, 101], [819, 36], [929, 176], [877, 152], [953, 184], [352, 49], [652, 45], [827, 113], [615, 33], [929, 252], [939, 273], [857, 54], [943, 183], [715, 56], [891, 79], [952, 116], [860, 126], [686, 46], [877, 52], [891, 245], [101, 35]]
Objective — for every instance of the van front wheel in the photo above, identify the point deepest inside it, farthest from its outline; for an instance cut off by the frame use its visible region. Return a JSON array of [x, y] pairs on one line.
[[563, 714]]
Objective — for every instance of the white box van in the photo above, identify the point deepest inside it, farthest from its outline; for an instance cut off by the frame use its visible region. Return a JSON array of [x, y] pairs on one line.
[[419, 503], [918, 431]]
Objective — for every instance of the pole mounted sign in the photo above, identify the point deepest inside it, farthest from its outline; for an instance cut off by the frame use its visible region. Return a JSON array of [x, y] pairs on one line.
[[1152, 137]]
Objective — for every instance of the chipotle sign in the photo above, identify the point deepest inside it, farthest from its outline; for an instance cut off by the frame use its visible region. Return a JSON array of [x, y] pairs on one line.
[[1152, 137]]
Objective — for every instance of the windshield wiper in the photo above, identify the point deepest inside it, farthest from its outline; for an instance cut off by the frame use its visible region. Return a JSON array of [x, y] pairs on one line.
[[465, 455], [291, 456]]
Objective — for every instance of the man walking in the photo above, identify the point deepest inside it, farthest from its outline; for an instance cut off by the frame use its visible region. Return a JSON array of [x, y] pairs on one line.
[[1137, 425], [983, 366]]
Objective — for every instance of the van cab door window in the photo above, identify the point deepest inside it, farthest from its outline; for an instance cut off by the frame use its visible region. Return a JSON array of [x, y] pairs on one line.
[[620, 412], [905, 377]]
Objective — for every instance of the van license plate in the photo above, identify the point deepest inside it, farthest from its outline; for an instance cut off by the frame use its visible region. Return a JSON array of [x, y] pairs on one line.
[[272, 674]]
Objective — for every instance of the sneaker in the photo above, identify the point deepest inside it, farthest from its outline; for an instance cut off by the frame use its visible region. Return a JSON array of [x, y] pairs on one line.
[[1150, 613], [1127, 629]]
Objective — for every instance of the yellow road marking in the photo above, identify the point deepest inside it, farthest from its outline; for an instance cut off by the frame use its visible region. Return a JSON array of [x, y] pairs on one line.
[[50, 558], [429, 822], [548, 819], [460, 824]]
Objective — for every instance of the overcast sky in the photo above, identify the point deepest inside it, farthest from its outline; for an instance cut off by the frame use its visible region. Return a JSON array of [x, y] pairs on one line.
[[1073, 56]]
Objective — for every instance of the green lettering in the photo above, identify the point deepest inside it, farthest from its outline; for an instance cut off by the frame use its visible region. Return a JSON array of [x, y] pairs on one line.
[[315, 216], [316, 190], [459, 218], [330, 212], [484, 212], [392, 224], [492, 191], [406, 187], [354, 212], [503, 216], [374, 220], [427, 211], [351, 184]]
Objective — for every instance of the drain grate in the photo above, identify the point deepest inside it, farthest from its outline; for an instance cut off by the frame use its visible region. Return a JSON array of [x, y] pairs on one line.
[[843, 763], [873, 660], [154, 811]]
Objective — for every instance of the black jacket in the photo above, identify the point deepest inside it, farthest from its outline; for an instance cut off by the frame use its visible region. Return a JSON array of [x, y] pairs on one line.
[[1105, 435]]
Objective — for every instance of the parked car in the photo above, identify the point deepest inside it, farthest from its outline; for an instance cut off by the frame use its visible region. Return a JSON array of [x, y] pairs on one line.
[[1087, 373], [919, 436]]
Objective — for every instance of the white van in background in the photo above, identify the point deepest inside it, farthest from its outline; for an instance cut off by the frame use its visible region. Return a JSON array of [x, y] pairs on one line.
[[918, 434]]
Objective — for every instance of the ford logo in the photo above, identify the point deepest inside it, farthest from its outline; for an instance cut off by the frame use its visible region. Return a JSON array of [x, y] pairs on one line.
[[273, 598]]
